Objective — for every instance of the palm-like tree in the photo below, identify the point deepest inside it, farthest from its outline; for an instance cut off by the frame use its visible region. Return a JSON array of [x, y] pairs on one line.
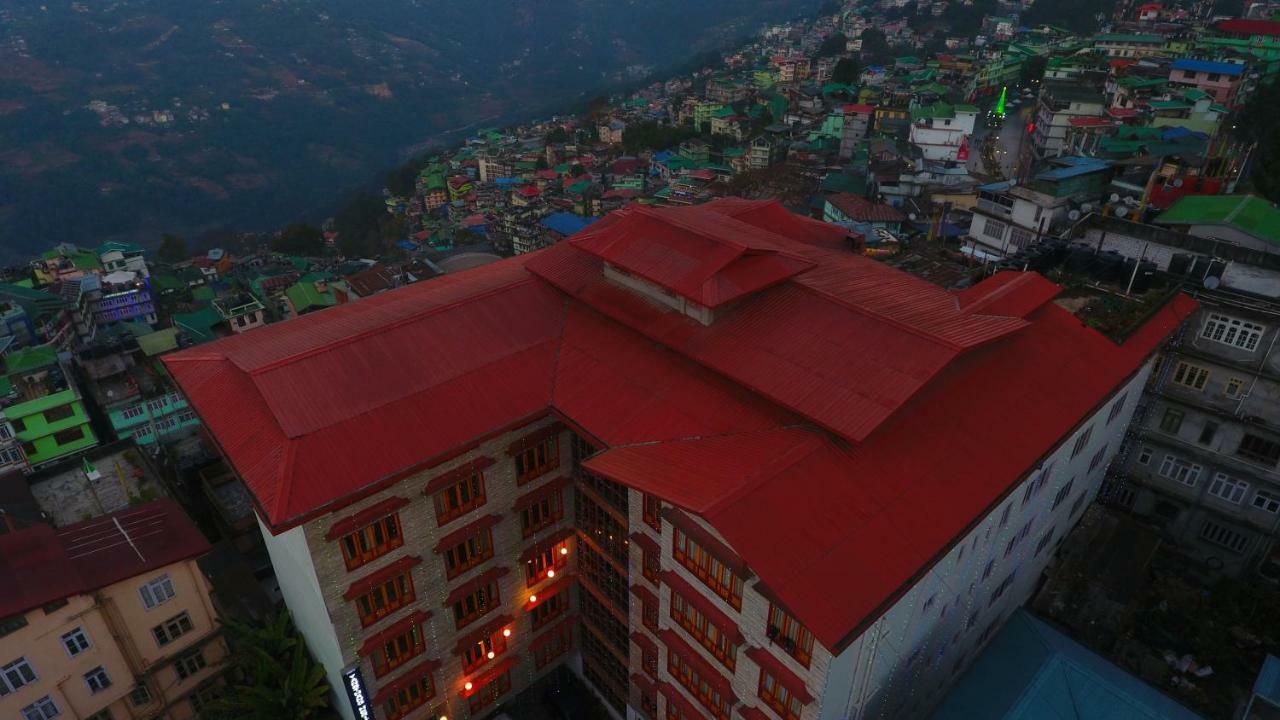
[[275, 677]]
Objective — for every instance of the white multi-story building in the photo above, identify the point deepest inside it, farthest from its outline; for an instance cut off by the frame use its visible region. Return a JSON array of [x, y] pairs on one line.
[[704, 457], [939, 130]]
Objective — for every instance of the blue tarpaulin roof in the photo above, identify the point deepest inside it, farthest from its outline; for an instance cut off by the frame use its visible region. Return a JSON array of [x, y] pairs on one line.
[[566, 223], [1030, 671], [1207, 66]]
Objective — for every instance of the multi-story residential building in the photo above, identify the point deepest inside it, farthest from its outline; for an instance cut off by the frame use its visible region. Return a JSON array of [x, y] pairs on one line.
[[1058, 104], [1008, 218], [1219, 79], [939, 130], [107, 618], [126, 295], [16, 329], [1129, 46], [493, 167], [699, 455], [857, 121], [764, 151], [117, 256], [43, 406], [241, 311]]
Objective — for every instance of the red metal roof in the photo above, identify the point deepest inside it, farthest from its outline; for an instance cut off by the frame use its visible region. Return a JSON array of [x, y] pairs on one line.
[[863, 210], [1241, 26], [872, 388], [39, 564]]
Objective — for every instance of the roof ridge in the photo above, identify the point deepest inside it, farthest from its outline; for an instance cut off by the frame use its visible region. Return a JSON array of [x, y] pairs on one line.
[[885, 317], [792, 457]]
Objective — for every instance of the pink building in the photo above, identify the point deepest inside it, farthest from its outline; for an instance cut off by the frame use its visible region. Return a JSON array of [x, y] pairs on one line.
[[1219, 79]]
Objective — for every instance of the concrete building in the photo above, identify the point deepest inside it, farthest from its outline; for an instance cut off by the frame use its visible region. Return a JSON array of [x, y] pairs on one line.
[[1221, 80], [940, 129], [1008, 217], [1058, 104], [42, 405], [676, 477], [107, 618]]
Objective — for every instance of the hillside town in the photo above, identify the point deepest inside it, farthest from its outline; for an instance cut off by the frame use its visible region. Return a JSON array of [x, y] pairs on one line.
[[880, 369]]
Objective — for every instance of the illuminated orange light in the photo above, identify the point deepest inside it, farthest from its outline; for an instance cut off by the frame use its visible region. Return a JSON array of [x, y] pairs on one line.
[[533, 598], [564, 551], [467, 686], [551, 573], [506, 632]]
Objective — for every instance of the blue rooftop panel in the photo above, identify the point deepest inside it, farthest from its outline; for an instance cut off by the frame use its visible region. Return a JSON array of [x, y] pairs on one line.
[[566, 223], [1268, 683], [1208, 66], [1032, 672]]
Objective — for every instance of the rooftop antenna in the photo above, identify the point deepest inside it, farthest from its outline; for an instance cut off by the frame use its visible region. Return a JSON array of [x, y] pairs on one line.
[[128, 539]]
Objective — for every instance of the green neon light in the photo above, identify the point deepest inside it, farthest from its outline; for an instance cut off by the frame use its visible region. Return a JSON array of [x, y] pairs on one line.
[[1000, 104]]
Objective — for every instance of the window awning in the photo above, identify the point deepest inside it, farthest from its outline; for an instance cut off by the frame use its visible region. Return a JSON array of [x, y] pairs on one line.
[[645, 642], [750, 713], [394, 630], [461, 534], [535, 437], [772, 665], [366, 516], [480, 681], [703, 604], [535, 495], [551, 633], [646, 543], [561, 584], [549, 541], [377, 577], [482, 632], [471, 585], [410, 676], [718, 549], [644, 682], [645, 594], [456, 475], [677, 698], [706, 670]]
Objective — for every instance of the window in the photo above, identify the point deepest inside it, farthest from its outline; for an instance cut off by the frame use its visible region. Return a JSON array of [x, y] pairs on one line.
[[1144, 456], [10, 455], [1002, 587], [787, 633], [1234, 387], [538, 460], [994, 228], [371, 541], [1253, 447], [482, 651], [156, 592], [777, 697], [650, 564], [97, 680], [172, 629], [1232, 331], [70, 435], [1004, 516], [1192, 376], [468, 553], [1224, 536], [652, 508], [1175, 468], [140, 695], [189, 663], [410, 697], [1117, 408], [1078, 504], [1082, 442], [16, 675], [490, 693], [986, 571], [1266, 500], [553, 646], [711, 637], [550, 609], [1063, 493], [75, 642], [480, 601], [1097, 458], [460, 498], [1228, 488], [397, 650], [62, 412], [708, 569], [1044, 541], [42, 709], [539, 565], [385, 598], [542, 513], [688, 676], [1207, 433], [200, 699]]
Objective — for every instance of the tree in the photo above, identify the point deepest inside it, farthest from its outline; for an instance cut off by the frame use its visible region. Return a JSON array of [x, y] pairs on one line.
[[299, 239], [846, 71], [557, 135], [833, 45], [596, 107], [1032, 69], [173, 248], [274, 676], [875, 48]]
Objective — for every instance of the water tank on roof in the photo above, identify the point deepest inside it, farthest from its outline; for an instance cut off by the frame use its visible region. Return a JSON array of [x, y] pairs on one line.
[[1145, 278], [1079, 258], [1180, 264], [1108, 266]]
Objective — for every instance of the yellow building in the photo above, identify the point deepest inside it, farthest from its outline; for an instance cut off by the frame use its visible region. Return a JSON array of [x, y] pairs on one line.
[[107, 619]]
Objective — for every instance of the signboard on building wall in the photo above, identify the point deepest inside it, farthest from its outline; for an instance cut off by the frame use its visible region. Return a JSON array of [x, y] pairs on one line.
[[357, 693]]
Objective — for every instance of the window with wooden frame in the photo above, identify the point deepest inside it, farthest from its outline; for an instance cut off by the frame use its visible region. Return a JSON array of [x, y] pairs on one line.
[[371, 541], [787, 633], [397, 651], [482, 651], [489, 694], [475, 605], [686, 675], [556, 644], [538, 459], [649, 611], [649, 659], [410, 697], [652, 510], [539, 566], [542, 513], [550, 609], [468, 553], [460, 498], [715, 574], [778, 698], [384, 599], [650, 564], [707, 633], [1192, 376]]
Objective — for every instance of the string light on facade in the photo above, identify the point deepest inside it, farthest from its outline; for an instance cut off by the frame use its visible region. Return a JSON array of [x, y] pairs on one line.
[[506, 632], [467, 686], [533, 598]]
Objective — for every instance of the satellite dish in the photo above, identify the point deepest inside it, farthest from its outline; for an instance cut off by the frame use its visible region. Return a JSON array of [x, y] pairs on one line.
[[1115, 197], [1177, 182], [1073, 215], [1212, 282], [1122, 211], [1087, 207], [911, 217]]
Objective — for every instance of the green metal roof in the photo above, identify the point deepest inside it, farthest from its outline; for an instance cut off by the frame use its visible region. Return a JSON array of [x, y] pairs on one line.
[[160, 341], [30, 358], [199, 324], [1121, 38], [1247, 213], [936, 110]]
